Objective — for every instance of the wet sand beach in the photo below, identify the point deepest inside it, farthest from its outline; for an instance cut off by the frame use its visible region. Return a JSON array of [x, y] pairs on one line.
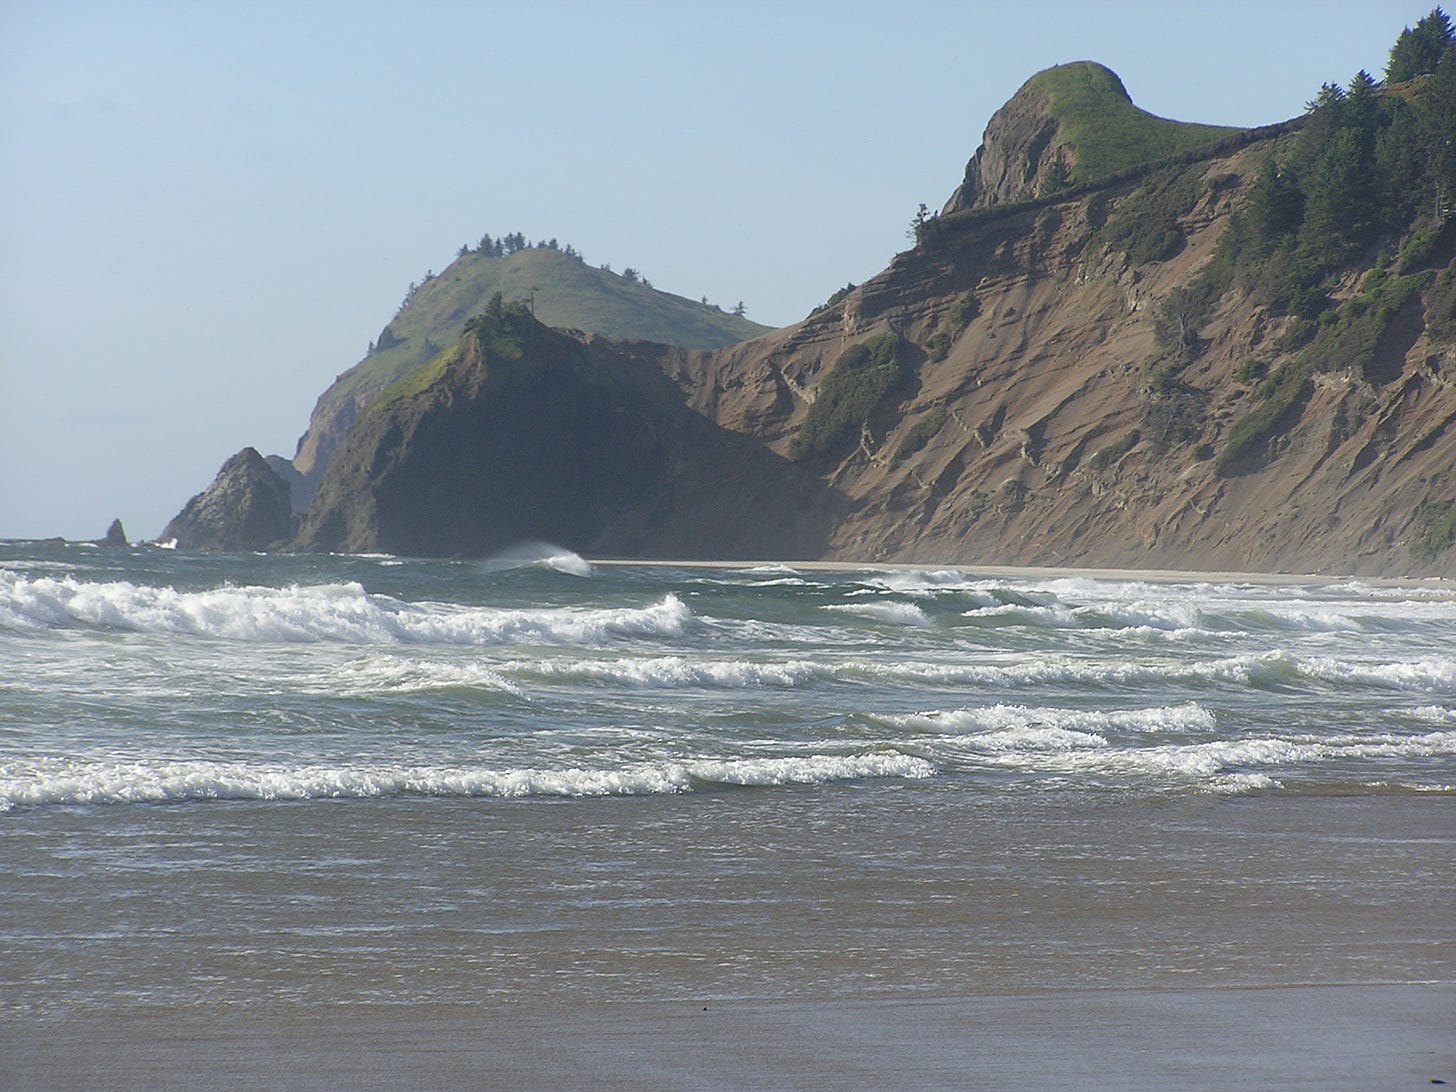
[[1254, 943], [1388, 1037]]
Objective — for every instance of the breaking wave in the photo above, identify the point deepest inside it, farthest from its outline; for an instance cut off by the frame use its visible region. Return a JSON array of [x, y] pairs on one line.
[[890, 613], [1013, 724], [82, 782], [327, 612]]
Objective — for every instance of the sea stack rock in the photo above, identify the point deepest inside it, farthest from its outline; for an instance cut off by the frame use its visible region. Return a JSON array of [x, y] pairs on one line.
[[115, 535], [247, 507]]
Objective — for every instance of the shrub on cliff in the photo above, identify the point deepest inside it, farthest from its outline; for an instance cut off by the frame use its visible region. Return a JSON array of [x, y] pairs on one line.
[[856, 385]]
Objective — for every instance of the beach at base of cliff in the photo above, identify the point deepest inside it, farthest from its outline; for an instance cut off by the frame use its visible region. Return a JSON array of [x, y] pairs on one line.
[[1348, 1036]]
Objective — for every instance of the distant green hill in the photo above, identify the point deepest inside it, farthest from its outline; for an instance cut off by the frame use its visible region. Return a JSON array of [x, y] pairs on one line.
[[563, 290], [566, 292]]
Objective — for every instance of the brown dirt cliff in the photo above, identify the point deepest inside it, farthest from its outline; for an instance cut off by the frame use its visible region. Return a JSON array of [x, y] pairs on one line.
[[1032, 428]]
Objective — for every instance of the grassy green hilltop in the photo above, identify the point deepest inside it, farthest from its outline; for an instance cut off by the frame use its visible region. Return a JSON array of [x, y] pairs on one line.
[[561, 289], [1096, 117]]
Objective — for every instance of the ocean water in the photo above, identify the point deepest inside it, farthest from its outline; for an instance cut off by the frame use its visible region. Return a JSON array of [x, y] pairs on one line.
[[319, 780]]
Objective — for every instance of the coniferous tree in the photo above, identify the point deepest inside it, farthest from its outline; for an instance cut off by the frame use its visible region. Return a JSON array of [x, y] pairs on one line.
[[1276, 205], [1438, 137], [1341, 200], [1418, 50], [1402, 171]]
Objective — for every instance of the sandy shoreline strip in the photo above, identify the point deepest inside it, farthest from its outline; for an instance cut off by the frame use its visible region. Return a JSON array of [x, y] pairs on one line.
[[1342, 1036], [1047, 572]]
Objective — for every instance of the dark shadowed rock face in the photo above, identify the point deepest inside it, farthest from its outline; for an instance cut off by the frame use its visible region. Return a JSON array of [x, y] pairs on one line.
[[549, 436], [115, 535], [247, 507], [300, 490]]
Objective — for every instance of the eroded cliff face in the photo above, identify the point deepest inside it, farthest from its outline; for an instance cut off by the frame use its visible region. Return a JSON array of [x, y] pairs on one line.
[[1056, 443], [1015, 154], [1002, 394]]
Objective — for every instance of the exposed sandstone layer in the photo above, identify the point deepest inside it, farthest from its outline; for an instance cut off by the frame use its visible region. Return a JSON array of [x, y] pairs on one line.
[[1028, 425], [1052, 371]]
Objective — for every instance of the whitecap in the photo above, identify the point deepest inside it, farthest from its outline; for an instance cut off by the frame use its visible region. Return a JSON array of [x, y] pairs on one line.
[[1431, 674], [897, 614], [388, 675], [60, 781], [541, 555], [328, 612], [669, 672], [810, 769], [1008, 727]]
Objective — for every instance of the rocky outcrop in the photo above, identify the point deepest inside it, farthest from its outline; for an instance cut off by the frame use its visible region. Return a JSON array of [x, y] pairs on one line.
[[247, 507], [1069, 124], [115, 535], [544, 435], [1017, 399], [285, 469], [1016, 151], [563, 292]]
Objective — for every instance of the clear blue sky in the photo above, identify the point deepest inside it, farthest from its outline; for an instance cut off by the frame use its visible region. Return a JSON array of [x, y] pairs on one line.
[[208, 209]]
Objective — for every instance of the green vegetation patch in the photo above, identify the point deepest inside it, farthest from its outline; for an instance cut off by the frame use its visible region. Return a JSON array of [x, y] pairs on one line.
[[862, 376], [938, 345], [1435, 530], [415, 380], [1440, 303], [1347, 337], [1095, 115], [838, 296], [1350, 336], [1146, 224], [921, 433], [1277, 396]]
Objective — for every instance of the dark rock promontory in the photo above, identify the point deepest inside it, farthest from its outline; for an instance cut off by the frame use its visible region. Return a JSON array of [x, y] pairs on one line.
[[247, 507]]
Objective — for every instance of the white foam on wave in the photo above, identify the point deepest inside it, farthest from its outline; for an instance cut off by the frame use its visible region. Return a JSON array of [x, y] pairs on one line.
[[328, 612], [1024, 614], [933, 584], [1439, 714], [810, 769], [1193, 609], [542, 555], [1012, 726], [670, 672], [390, 675], [60, 781], [895, 614], [1430, 674], [1214, 764]]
